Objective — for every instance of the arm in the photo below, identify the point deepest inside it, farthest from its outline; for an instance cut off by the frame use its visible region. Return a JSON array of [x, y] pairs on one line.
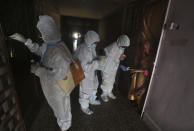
[[89, 66], [58, 64], [83, 55], [124, 68], [34, 47]]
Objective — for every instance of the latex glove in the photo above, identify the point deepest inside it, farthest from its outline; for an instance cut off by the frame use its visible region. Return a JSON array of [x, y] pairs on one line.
[[102, 61], [124, 68], [122, 58], [128, 68], [34, 67], [18, 37]]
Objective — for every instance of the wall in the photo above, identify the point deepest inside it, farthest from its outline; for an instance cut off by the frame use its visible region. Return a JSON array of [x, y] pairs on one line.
[[153, 14], [110, 27], [47, 10], [169, 103], [76, 24], [143, 23], [21, 16]]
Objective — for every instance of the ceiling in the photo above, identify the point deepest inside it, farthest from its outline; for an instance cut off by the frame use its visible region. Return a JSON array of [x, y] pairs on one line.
[[84, 8]]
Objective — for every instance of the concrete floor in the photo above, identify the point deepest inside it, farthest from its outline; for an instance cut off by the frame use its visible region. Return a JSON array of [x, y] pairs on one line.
[[117, 115]]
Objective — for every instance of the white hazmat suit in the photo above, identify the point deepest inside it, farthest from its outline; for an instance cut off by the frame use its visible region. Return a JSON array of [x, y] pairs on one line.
[[57, 59], [86, 53], [111, 64]]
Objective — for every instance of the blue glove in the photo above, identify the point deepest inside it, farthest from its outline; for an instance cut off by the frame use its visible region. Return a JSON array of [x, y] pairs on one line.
[[122, 58], [124, 68]]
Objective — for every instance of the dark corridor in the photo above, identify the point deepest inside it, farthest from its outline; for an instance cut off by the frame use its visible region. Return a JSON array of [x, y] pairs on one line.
[[109, 116], [141, 21], [71, 25]]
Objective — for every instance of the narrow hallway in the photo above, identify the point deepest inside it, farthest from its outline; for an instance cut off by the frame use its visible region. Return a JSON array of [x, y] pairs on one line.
[[117, 115], [23, 106]]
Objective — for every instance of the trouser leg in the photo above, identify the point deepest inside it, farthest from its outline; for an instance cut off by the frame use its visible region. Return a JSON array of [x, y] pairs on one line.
[[107, 83], [64, 120], [88, 90]]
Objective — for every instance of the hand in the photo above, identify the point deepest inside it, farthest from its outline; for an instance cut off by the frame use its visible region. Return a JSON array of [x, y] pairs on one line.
[[34, 67], [18, 37], [124, 68], [128, 68], [122, 58], [102, 61]]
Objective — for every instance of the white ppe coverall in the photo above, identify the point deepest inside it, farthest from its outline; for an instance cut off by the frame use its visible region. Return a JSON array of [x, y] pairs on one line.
[[111, 64], [86, 53], [57, 59]]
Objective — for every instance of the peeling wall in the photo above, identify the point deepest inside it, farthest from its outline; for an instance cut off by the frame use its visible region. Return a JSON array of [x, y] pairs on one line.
[[149, 36]]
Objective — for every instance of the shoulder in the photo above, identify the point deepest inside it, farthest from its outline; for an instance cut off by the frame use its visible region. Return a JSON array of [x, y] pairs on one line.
[[111, 46]]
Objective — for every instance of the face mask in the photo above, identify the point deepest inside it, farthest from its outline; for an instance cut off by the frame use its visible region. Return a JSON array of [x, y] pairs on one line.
[[121, 48]]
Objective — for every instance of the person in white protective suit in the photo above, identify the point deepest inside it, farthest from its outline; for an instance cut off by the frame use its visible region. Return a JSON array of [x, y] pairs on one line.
[[111, 63], [55, 63], [86, 53]]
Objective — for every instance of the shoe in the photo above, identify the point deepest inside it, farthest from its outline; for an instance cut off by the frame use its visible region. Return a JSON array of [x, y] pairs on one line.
[[87, 111], [105, 98], [95, 102], [110, 95]]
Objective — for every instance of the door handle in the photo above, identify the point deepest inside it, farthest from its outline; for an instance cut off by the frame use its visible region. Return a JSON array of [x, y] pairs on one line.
[[174, 26]]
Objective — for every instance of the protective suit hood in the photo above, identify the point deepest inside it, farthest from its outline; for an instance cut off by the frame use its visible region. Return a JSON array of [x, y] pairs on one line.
[[123, 40], [48, 29], [91, 37]]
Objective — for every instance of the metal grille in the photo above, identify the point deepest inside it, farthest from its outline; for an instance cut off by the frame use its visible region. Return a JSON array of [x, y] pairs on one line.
[[10, 116]]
